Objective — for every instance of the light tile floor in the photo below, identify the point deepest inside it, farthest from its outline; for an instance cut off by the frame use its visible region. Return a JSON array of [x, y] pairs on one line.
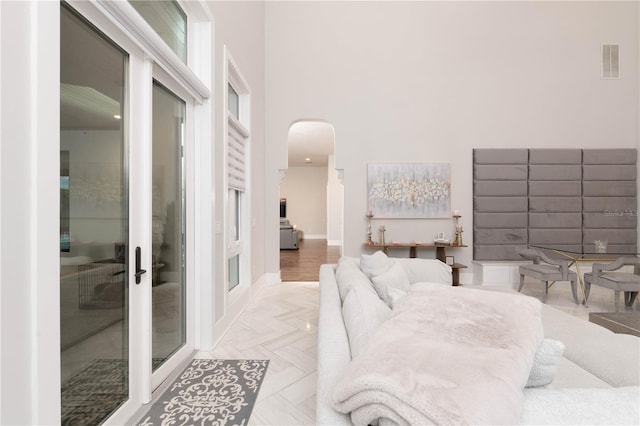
[[280, 324]]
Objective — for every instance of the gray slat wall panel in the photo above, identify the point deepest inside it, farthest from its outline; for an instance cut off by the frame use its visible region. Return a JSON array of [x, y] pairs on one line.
[[562, 172], [555, 188], [615, 188], [610, 199], [500, 172], [500, 156], [496, 220], [609, 221], [572, 197], [555, 156], [555, 219], [609, 156], [555, 204], [500, 202]]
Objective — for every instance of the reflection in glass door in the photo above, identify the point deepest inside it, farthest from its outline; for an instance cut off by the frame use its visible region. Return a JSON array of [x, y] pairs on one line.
[[168, 225], [93, 223]]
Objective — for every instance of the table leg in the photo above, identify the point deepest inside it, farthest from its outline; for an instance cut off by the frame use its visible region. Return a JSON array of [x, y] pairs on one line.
[[580, 280], [455, 275], [575, 261]]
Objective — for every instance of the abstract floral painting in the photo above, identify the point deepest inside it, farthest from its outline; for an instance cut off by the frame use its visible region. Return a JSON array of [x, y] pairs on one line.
[[409, 190]]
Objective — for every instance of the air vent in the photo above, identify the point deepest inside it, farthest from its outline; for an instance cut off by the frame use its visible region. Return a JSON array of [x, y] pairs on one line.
[[610, 61]]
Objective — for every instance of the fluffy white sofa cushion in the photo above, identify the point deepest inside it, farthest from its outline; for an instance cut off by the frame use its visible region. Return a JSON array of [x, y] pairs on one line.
[[363, 313], [545, 363], [349, 275], [431, 270], [581, 406], [394, 277], [375, 264]]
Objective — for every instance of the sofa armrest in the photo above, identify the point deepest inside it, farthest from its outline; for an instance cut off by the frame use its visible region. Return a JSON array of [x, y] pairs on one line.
[[613, 358], [334, 353]]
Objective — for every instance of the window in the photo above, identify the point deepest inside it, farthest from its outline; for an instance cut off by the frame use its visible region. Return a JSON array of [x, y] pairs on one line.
[[168, 20], [235, 247], [237, 179], [234, 103]]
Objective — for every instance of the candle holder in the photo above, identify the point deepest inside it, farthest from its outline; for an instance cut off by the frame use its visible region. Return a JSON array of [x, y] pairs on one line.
[[369, 216], [381, 231], [458, 239]]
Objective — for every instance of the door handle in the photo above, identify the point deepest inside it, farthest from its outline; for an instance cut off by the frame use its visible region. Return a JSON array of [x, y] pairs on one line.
[[139, 271]]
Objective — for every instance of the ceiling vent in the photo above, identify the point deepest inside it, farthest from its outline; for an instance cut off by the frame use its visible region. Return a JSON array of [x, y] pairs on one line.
[[610, 61]]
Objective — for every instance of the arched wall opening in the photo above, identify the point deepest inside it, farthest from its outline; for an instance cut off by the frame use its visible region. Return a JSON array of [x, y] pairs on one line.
[[311, 190]]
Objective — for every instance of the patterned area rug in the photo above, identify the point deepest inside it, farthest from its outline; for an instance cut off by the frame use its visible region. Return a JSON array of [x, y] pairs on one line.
[[210, 392]]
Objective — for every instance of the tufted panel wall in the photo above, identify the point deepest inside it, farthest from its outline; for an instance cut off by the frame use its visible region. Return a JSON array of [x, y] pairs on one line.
[[561, 197]]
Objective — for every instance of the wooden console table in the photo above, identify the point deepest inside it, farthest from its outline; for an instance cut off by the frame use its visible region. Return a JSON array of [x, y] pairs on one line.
[[441, 254]]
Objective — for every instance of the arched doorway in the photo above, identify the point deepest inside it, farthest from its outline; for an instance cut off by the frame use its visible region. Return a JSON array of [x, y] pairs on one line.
[[311, 223]]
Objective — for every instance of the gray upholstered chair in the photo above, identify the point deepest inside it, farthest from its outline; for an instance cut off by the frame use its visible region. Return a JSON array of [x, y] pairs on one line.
[[626, 282], [546, 269]]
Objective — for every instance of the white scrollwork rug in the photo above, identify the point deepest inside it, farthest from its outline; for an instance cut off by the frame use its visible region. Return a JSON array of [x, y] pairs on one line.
[[210, 392]]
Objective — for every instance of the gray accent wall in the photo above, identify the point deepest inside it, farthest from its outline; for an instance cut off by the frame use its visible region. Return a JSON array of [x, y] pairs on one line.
[[500, 202], [565, 198]]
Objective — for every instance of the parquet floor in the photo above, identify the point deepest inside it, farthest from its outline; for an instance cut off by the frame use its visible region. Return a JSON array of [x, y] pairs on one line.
[[304, 264]]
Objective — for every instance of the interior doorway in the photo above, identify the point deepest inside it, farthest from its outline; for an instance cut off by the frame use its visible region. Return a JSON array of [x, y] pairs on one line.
[[311, 202]]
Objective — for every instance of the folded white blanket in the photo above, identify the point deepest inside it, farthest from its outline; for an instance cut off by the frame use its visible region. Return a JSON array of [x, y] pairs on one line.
[[448, 355]]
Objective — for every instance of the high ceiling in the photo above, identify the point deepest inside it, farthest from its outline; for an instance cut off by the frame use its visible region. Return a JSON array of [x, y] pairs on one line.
[[310, 144]]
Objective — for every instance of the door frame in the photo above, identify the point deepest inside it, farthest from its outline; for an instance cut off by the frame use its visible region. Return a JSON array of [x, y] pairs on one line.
[[149, 59]]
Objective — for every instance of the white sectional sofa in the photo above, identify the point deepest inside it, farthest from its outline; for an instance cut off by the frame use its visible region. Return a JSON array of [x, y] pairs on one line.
[[597, 379]]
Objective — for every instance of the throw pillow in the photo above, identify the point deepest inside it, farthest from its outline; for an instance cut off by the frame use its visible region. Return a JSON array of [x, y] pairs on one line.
[[363, 313], [545, 363], [349, 275], [375, 264], [394, 277]]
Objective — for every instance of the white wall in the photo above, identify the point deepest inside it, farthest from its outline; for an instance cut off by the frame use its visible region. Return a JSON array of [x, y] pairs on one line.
[[239, 26], [334, 205], [405, 82], [305, 189], [30, 231]]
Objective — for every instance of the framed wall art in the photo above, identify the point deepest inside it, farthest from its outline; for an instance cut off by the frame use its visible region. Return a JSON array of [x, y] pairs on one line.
[[409, 191]]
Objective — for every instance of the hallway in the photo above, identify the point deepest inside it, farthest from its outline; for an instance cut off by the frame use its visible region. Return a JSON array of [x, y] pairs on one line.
[[304, 264]]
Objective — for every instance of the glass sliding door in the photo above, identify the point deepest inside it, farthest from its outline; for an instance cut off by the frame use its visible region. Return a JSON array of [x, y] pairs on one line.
[[168, 225], [94, 223]]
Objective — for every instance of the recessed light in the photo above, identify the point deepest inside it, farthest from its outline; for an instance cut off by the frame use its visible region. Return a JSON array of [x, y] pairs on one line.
[[308, 160], [117, 117]]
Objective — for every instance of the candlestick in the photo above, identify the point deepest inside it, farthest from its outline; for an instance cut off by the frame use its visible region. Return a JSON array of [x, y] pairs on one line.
[[369, 216], [458, 238], [381, 231]]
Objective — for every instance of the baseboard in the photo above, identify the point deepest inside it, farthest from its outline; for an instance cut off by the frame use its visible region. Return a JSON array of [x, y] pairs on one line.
[[272, 278], [497, 273], [314, 237], [334, 242]]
